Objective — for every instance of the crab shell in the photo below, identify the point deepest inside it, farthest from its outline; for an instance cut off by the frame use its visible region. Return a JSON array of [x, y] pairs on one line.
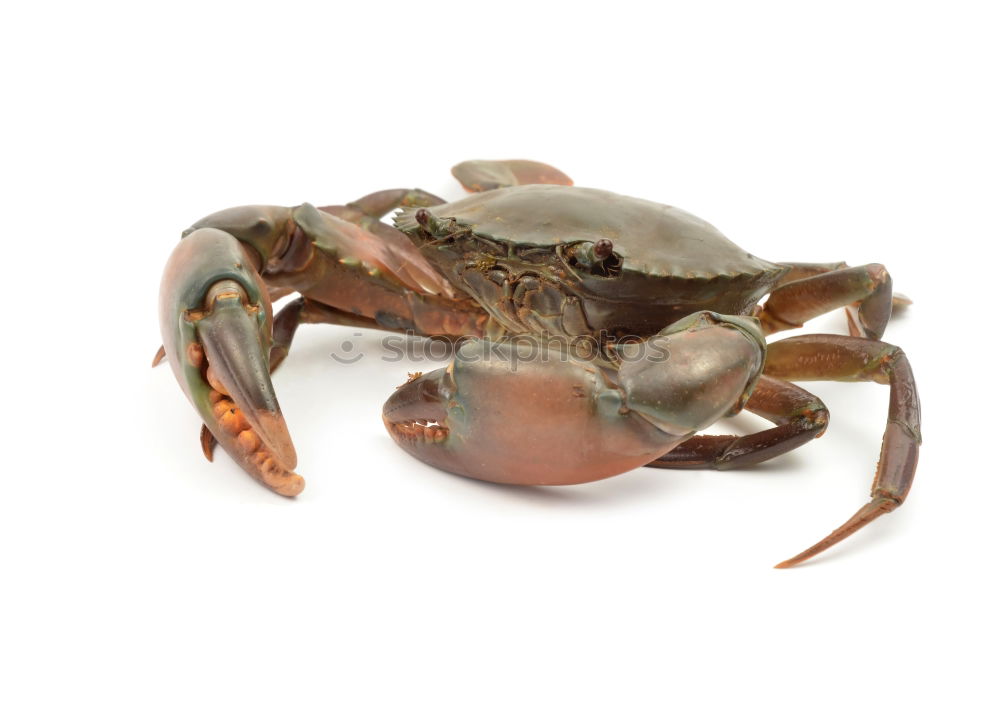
[[666, 263]]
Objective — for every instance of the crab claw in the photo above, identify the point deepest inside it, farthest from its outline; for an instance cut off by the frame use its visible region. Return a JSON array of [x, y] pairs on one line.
[[512, 412], [215, 318], [548, 423]]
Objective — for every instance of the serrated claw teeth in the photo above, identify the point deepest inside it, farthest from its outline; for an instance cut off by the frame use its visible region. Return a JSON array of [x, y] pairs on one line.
[[215, 318]]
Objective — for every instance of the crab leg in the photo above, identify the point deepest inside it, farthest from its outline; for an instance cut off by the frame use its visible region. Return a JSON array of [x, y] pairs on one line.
[[792, 304], [367, 212], [477, 176], [808, 290], [800, 416], [382, 202], [303, 310], [845, 358], [798, 271]]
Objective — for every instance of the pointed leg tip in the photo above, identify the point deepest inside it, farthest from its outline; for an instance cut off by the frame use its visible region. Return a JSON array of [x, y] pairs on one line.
[[864, 516], [207, 443], [160, 355]]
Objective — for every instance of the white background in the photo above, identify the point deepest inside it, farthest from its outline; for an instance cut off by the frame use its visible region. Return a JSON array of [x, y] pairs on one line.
[[133, 569]]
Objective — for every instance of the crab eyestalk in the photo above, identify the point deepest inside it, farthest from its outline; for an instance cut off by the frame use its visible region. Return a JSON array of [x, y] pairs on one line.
[[215, 319]]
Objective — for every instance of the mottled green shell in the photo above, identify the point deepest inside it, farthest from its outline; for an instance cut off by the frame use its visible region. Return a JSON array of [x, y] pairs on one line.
[[654, 239]]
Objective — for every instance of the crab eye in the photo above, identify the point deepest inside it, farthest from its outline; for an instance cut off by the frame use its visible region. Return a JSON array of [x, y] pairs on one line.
[[596, 258], [603, 249], [439, 228]]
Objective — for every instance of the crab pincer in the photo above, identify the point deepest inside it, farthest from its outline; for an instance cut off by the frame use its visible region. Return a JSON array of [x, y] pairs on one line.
[[223, 342], [215, 319], [519, 414]]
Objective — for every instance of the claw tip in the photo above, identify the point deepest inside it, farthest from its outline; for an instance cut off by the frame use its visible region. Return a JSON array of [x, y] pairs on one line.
[[291, 486]]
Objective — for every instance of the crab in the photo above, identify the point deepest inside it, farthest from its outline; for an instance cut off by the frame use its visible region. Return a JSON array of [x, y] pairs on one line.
[[594, 333]]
